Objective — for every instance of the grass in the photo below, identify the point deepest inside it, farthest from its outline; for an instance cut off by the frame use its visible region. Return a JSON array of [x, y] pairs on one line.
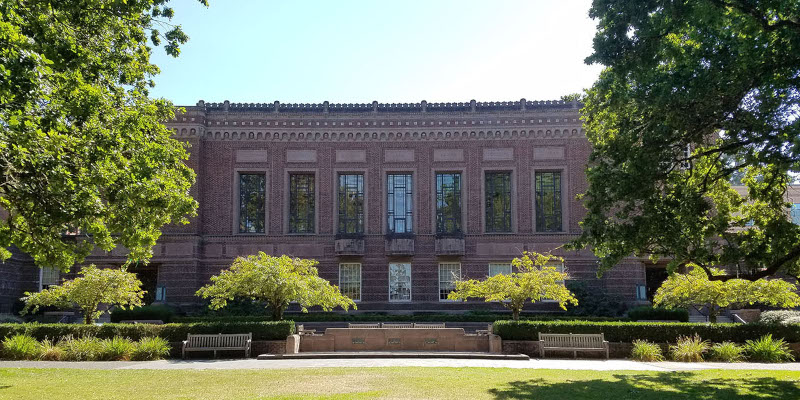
[[395, 383]]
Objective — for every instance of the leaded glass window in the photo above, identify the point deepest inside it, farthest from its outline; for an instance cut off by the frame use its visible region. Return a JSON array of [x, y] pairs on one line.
[[351, 204], [399, 205], [498, 201], [796, 213], [448, 203], [350, 280], [399, 282], [252, 199], [449, 274], [301, 203], [548, 202], [499, 269]]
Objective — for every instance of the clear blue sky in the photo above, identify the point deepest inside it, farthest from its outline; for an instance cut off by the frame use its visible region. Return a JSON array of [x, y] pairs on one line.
[[347, 51]]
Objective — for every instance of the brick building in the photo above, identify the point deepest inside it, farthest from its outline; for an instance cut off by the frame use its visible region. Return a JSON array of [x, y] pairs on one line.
[[393, 200]]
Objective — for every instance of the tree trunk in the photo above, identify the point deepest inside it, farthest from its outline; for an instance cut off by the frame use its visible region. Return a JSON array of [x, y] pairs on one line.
[[712, 317], [277, 312], [87, 317], [515, 314]]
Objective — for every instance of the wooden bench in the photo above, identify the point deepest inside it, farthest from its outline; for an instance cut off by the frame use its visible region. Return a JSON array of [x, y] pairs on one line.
[[303, 331], [221, 341], [572, 342], [484, 332]]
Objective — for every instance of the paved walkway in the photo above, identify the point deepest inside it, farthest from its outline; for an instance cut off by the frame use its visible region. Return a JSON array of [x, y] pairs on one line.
[[594, 365]]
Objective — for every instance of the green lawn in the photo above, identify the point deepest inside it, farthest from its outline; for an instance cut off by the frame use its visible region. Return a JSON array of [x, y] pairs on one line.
[[394, 383]]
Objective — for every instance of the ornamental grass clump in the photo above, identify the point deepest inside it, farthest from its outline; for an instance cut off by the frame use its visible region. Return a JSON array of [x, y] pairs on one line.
[[689, 349], [20, 347], [646, 351], [727, 352], [116, 349], [767, 349], [82, 349], [50, 351], [150, 348]]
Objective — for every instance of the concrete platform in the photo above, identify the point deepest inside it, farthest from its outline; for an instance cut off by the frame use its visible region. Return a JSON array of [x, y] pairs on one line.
[[393, 354]]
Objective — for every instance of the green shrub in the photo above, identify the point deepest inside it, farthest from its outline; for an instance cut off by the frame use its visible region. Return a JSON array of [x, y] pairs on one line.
[[767, 349], [646, 351], [481, 316], [152, 348], [50, 351], [86, 348], [658, 314], [20, 347], [151, 312], [778, 316], [658, 332], [268, 330], [727, 352], [689, 349], [116, 349]]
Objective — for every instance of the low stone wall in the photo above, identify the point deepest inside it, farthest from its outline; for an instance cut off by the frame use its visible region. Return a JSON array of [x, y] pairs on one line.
[[395, 339]]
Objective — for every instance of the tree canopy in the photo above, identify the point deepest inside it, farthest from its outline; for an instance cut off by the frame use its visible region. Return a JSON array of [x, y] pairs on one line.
[[694, 94], [276, 281], [85, 160], [94, 286], [536, 280], [695, 289]]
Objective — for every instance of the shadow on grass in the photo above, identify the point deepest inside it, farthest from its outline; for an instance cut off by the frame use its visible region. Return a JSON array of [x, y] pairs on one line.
[[661, 386]]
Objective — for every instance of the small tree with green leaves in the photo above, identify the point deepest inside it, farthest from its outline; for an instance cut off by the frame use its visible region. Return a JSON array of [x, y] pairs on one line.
[[94, 286], [695, 289], [536, 280], [276, 281]]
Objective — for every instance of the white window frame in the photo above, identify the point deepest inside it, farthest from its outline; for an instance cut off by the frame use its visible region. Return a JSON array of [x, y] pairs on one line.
[[452, 281], [341, 265], [41, 277], [410, 283], [510, 269]]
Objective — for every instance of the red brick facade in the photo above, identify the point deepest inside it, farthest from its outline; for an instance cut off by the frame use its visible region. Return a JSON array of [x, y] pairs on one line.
[[375, 139]]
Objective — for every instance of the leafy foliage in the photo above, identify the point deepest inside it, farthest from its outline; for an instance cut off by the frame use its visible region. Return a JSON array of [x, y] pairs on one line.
[[646, 351], [689, 349], [85, 158], [20, 347], [727, 352], [658, 314], [95, 286], [87, 348], [694, 94], [272, 330], [658, 332], [695, 289], [767, 349], [276, 281], [595, 301], [536, 280], [778, 316], [116, 349]]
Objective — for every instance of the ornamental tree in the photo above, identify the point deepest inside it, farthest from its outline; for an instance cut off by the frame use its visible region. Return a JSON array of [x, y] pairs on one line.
[[536, 280], [94, 286], [276, 281], [695, 94], [85, 160], [695, 289]]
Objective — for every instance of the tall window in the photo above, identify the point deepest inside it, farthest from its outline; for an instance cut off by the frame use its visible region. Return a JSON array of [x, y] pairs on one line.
[[548, 202], [449, 274], [301, 203], [498, 201], [499, 269], [796, 213], [49, 276], [399, 282], [350, 280], [351, 204], [251, 203], [399, 206], [448, 203]]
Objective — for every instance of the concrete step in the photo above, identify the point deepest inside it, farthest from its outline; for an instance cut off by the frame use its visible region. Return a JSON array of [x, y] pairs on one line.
[[393, 354]]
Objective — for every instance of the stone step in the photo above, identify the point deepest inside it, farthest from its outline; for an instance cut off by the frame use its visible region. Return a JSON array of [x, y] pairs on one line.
[[393, 354]]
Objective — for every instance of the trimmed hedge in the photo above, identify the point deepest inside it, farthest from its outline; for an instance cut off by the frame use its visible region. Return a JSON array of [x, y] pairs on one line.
[[272, 330], [658, 313], [379, 317], [663, 332]]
